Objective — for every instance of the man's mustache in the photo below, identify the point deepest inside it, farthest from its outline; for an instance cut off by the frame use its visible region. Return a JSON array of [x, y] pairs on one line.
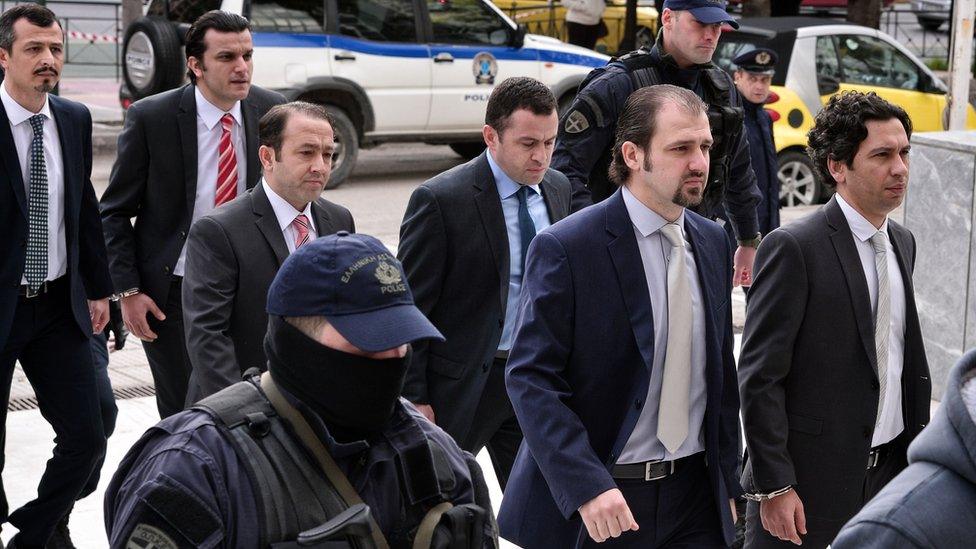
[[46, 70]]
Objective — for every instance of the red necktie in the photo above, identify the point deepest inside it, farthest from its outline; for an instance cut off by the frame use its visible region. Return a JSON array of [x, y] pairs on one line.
[[226, 164], [301, 225]]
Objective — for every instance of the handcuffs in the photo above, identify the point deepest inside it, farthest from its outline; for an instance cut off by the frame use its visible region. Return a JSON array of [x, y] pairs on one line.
[[765, 497]]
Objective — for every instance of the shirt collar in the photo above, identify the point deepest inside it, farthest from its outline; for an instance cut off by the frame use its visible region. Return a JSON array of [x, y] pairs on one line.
[[285, 212], [18, 114], [506, 185], [210, 114], [861, 227], [646, 220]]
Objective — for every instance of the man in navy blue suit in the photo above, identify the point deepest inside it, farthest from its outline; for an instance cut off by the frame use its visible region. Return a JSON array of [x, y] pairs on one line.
[[54, 279], [621, 372]]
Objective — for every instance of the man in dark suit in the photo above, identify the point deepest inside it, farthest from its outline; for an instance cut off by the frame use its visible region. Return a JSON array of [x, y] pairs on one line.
[[832, 374], [621, 373], [55, 281], [181, 154], [233, 253], [462, 244]]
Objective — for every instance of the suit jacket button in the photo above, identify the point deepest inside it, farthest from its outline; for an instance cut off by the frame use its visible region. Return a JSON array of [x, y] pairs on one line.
[[637, 404], [166, 268], [182, 234], [485, 367], [501, 322], [867, 432]]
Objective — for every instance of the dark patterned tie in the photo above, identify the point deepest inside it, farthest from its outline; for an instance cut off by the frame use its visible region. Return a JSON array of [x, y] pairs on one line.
[[526, 225], [35, 268]]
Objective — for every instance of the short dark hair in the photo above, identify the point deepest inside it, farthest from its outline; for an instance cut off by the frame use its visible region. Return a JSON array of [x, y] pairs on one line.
[[519, 92], [638, 121], [840, 127], [271, 127], [220, 21], [37, 15]]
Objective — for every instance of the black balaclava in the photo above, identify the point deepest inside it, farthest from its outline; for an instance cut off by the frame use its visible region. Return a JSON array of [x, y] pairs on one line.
[[354, 395]]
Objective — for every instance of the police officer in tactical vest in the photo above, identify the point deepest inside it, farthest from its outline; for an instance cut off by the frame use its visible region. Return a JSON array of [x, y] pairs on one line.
[[681, 56], [320, 451]]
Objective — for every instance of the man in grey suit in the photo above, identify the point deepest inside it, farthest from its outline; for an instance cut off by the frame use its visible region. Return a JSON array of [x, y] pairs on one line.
[[462, 245], [833, 375], [181, 154], [233, 253]]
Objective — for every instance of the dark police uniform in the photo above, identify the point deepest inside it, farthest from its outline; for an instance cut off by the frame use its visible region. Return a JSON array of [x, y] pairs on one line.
[[762, 147], [183, 485], [587, 133]]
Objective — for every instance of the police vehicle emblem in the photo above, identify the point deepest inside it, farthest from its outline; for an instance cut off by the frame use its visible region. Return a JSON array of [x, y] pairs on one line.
[[763, 58], [387, 274], [576, 122], [485, 68], [144, 536]]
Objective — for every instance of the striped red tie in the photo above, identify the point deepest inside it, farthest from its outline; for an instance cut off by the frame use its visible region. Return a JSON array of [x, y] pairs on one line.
[[226, 164], [301, 226]]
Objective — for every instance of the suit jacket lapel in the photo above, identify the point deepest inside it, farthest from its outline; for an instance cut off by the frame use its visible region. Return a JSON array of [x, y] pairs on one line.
[[850, 262], [68, 141], [186, 119], [250, 113], [489, 205], [557, 206], [267, 222], [8, 153], [626, 258], [323, 223]]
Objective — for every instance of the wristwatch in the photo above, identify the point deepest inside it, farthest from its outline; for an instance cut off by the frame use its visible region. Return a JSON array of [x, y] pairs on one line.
[[763, 497], [127, 293], [751, 242]]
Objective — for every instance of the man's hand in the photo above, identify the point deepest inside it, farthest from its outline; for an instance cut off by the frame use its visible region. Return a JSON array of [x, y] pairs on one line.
[[735, 516], [742, 270], [116, 328], [783, 517], [607, 516], [427, 410], [98, 311], [134, 311]]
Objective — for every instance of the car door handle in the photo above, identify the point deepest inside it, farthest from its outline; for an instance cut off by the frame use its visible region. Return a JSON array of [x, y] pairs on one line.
[[344, 56], [443, 57]]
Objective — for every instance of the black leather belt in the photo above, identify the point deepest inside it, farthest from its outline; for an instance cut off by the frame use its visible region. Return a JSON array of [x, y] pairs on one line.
[[878, 454], [501, 355], [654, 470], [45, 287]]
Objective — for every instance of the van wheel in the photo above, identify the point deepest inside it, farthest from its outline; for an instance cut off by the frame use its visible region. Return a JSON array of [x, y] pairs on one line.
[[347, 147], [468, 151], [152, 61]]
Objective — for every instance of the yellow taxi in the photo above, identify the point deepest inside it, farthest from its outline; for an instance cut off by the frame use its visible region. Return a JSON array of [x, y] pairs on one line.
[[819, 58], [548, 17]]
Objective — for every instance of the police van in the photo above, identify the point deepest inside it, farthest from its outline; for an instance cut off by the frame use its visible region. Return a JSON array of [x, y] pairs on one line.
[[387, 70]]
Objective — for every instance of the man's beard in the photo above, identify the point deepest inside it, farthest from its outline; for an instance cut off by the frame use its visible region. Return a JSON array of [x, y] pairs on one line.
[[691, 197]]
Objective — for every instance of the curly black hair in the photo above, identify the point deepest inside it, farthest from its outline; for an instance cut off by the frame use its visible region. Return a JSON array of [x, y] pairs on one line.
[[841, 126]]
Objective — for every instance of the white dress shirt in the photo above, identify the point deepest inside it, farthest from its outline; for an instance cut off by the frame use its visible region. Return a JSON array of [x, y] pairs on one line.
[[655, 250], [891, 422], [57, 252], [286, 214], [208, 143]]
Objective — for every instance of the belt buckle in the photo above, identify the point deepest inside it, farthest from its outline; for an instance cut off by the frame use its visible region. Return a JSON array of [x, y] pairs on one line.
[[28, 293], [647, 471], [873, 457]]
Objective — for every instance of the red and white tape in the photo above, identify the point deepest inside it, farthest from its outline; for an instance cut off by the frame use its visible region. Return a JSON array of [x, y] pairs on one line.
[[93, 37]]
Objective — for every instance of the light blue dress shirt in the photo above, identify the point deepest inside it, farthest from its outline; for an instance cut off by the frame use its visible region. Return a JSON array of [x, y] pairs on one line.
[[507, 188], [655, 250]]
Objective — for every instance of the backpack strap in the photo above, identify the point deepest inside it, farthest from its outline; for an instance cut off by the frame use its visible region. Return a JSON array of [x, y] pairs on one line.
[[425, 532], [314, 445]]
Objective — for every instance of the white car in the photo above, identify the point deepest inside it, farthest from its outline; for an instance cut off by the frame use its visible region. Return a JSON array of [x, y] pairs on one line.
[[387, 70]]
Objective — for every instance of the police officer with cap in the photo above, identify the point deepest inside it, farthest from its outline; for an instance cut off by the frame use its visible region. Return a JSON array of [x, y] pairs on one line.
[[682, 56], [754, 73], [320, 451]]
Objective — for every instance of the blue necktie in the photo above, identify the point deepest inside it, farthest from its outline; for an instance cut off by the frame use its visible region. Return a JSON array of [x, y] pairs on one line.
[[35, 267], [526, 225]]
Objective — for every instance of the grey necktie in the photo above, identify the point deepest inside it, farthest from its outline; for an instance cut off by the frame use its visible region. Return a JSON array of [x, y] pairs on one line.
[[35, 266], [672, 420], [882, 315]]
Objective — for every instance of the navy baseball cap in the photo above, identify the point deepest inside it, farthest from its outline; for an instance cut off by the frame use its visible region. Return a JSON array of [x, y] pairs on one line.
[[357, 285], [758, 61], [705, 11]]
